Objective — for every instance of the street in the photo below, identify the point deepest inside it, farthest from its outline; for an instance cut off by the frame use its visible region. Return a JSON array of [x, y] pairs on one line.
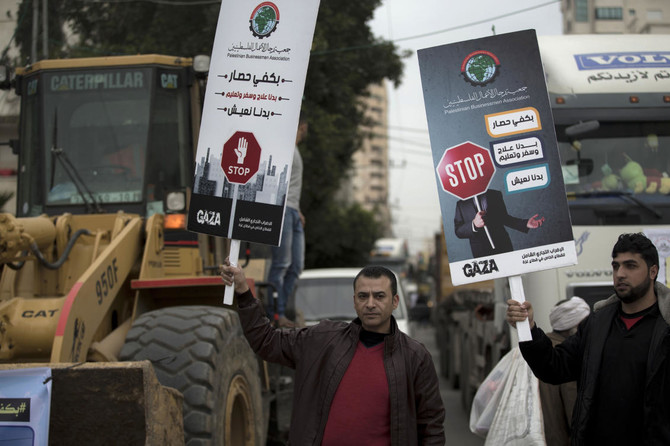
[[457, 422]]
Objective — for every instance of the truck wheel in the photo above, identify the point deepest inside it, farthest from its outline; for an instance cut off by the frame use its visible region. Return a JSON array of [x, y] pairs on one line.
[[201, 351]]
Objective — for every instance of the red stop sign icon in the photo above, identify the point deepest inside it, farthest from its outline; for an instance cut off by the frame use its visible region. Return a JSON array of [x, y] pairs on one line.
[[465, 170], [241, 157]]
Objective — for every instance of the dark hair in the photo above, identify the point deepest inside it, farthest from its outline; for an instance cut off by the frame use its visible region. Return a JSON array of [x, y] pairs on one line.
[[376, 271], [637, 243]]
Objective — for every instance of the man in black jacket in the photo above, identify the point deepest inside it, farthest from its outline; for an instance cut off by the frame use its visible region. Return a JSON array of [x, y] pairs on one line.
[[619, 355]]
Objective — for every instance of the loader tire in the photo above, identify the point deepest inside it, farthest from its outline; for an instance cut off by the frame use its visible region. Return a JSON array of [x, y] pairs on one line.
[[201, 351]]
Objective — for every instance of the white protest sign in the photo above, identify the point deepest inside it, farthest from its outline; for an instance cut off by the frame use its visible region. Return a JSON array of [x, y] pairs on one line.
[[249, 122], [25, 406], [250, 118]]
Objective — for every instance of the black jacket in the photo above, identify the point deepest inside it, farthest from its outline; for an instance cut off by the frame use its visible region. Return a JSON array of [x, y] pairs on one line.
[[578, 358], [497, 218]]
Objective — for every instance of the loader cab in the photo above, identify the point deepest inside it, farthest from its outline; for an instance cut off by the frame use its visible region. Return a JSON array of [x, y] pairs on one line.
[[104, 134]]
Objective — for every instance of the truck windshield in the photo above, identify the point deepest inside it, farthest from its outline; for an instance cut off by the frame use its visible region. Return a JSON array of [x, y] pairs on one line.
[[100, 121], [87, 136], [617, 173]]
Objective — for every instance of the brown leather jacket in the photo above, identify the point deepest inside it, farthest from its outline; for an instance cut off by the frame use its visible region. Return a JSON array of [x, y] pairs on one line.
[[320, 356]]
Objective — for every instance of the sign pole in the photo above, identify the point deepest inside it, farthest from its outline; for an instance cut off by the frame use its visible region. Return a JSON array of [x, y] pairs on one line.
[[233, 257], [479, 209], [516, 289], [234, 254]]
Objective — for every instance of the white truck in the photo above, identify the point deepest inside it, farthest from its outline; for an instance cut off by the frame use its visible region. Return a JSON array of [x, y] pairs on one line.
[[610, 99]]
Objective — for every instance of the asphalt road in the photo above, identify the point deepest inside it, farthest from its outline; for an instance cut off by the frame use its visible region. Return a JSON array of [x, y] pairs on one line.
[[457, 421]]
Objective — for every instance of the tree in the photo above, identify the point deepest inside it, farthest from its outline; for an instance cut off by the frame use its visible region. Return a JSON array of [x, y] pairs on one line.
[[346, 58], [346, 239]]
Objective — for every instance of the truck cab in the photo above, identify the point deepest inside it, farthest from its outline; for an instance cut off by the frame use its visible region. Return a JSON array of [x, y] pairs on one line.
[[101, 134]]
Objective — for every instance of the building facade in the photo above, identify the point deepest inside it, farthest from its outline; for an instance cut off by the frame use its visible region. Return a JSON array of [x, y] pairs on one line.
[[616, 16], [368, 179], [9, 108]]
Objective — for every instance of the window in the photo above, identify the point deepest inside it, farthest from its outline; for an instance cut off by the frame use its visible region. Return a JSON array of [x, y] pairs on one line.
[[654, 15], [609, 13], [581, 11]]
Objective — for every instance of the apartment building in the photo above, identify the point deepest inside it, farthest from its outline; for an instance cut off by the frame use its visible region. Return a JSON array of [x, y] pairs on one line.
[[367, 181], [616, 16]]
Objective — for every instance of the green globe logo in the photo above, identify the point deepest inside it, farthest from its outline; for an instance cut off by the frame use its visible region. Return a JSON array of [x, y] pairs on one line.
[[264, 19], [480, 68]]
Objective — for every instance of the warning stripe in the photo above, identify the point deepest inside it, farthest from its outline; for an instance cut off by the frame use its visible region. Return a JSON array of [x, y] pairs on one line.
[[67, 306]]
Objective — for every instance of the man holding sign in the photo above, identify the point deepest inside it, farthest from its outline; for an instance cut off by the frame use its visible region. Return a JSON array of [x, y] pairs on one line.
[[620, 355], [361, 382]]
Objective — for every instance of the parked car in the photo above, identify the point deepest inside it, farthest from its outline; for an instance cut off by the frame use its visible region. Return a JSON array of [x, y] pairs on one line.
[[327, 293]]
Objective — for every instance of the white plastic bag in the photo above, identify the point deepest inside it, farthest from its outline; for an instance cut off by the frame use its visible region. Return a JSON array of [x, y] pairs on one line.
[[488, 396], [518, 420]]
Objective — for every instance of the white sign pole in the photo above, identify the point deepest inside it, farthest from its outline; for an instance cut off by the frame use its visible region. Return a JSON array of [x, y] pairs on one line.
[[479, 209], [234, 254], [233, 257], [516, 289]]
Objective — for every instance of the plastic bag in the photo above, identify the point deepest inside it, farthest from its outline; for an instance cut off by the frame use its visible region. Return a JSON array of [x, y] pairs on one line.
[[518, 420], [488, 396]]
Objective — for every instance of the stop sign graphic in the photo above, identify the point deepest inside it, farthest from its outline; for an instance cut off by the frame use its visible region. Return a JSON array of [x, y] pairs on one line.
[[465, 170], [241, 157]]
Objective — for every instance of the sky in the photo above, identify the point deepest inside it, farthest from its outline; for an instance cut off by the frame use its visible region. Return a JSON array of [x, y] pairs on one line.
[[414, 25]]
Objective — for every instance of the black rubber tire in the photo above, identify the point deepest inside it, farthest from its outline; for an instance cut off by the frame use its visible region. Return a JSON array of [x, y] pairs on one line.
[[202, 352]]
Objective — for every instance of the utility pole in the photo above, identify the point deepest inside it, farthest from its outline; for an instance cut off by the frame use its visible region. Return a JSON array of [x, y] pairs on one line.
[[33, 46], [45, 29]]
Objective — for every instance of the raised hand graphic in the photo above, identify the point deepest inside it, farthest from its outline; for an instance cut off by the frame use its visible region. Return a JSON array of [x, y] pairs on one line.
[[241, 150]]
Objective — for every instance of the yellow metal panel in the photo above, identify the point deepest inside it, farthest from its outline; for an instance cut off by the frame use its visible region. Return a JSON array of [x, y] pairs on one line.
[[93, 294], [112, 61]]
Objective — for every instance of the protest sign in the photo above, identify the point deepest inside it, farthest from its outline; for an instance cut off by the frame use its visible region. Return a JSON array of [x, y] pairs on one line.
[[25, 406], [250, 117], [497, 168]]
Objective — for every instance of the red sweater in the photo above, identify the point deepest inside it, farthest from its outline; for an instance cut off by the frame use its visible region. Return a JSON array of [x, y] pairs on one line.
[[361, 410]]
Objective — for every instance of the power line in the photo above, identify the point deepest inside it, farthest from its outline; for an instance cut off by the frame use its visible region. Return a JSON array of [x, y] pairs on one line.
[[479, 22], [446, 30], [407, 129]]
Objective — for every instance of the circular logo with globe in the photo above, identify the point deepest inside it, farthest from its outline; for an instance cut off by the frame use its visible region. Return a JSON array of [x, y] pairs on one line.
[[264, 19], [480, 67]]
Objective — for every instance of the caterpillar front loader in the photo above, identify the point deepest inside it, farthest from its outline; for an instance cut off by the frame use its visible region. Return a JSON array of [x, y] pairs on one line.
[[97, 263]]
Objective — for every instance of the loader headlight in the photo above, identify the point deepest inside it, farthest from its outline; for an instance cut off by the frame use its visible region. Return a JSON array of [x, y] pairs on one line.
[[201, 64], [175, 201]]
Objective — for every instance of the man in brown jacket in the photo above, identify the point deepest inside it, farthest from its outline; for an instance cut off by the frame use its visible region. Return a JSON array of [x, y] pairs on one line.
[[362, 382]]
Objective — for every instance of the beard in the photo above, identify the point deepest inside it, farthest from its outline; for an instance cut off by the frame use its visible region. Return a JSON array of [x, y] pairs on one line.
[[635, 293]]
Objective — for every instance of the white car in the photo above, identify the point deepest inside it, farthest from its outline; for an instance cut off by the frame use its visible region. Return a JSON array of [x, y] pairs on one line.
[[328, 293]]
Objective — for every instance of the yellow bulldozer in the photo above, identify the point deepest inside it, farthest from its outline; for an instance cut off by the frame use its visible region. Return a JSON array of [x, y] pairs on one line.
[[97, 264]]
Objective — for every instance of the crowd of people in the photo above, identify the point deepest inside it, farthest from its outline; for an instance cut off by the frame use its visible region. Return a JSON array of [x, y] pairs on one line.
[[603, 372]]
